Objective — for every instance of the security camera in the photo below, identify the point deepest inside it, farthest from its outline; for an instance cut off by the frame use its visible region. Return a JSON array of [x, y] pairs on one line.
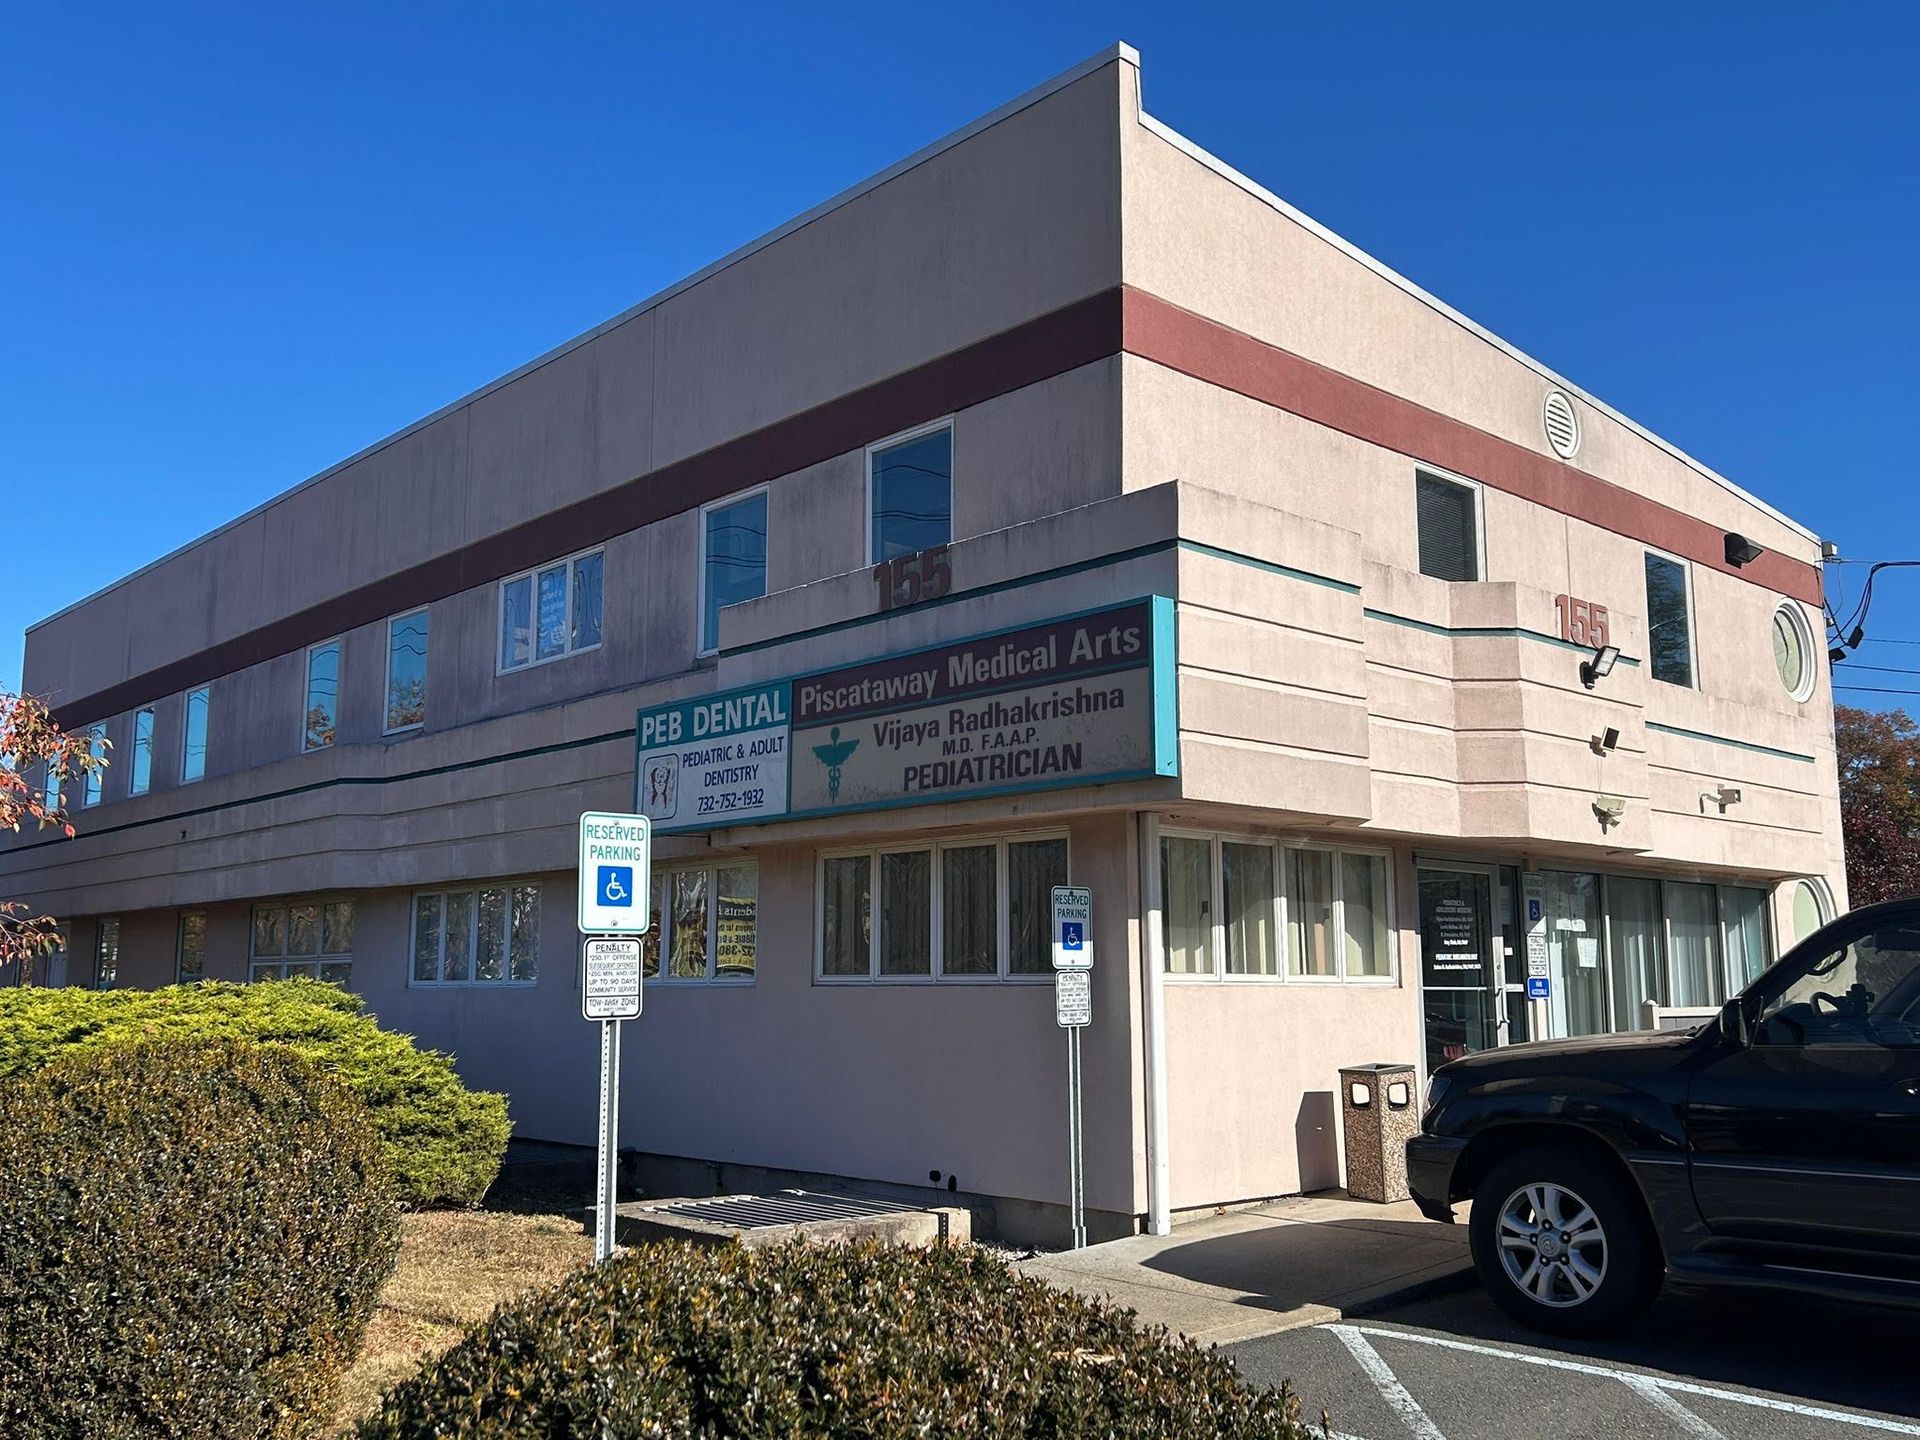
[[1610, 809]]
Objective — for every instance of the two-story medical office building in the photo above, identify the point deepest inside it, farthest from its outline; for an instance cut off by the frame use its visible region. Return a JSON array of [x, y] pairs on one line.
[[1058, 505]]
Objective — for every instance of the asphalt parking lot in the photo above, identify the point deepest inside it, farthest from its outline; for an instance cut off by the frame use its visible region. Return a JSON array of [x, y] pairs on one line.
[[1453, 1367]]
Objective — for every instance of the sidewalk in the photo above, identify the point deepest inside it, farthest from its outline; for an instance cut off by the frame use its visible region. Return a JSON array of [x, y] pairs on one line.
[[1300, 1261]]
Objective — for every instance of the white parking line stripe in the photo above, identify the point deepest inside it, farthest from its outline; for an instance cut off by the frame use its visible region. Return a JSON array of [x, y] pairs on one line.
[[1684, 1387], [1397, 1396], [1650, 1391]]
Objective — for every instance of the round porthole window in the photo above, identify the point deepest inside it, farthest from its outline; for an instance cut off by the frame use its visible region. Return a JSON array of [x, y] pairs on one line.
[[1793, 650], [1810, 908]]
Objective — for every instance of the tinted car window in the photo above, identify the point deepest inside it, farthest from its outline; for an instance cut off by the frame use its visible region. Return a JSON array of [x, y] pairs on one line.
[[1866, 993]]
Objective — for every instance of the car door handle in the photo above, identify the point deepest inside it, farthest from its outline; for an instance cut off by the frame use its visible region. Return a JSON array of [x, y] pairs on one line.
[[1909, 1088]]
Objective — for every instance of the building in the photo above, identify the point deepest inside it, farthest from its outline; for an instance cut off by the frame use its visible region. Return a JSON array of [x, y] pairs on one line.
[[1056, 504]]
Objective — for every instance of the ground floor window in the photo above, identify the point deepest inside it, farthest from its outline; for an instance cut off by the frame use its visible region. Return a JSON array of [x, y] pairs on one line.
[[190, 952], [966, 910], [106, 954], [311, 938], [489, 935], [705, 923], [1239, 906]]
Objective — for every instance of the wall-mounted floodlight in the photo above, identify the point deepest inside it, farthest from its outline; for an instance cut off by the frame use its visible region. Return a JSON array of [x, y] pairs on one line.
[[1741, 551], [1600, 666], [1605, 741]]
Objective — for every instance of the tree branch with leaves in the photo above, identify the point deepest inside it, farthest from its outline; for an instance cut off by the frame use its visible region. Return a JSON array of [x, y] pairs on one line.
[[1879, 755], [30, 740]]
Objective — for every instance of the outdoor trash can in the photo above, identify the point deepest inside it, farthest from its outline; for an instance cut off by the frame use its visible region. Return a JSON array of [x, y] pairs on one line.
[[1377, 1104]]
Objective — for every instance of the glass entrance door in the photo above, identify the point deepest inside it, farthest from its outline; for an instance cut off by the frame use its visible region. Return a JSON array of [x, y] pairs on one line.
[[1461, 990]]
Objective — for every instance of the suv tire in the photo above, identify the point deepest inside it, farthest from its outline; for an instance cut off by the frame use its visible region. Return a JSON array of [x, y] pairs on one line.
[[1562, 1243]]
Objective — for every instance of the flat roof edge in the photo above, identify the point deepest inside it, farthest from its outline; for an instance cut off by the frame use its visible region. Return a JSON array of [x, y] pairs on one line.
[[1118, 51], [1388, 273]]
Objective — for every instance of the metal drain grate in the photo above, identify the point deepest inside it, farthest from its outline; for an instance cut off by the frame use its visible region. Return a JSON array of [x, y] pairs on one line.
[[789, 1207]]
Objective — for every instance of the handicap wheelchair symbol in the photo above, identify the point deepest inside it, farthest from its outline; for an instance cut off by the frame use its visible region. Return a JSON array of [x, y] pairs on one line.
[[616, 885], [1070, 937]]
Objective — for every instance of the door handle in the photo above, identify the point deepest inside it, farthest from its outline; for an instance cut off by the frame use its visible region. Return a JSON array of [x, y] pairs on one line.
[[1909, 1088]]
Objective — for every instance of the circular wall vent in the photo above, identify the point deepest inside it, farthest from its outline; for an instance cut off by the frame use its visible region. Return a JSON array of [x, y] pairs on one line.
[[1563, 425]]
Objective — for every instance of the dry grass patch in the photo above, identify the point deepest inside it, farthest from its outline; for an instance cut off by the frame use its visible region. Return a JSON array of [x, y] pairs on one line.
[[455, 1267]]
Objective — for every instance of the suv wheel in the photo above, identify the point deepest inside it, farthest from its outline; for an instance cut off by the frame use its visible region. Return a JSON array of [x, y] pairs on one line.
[[1562, 1243]]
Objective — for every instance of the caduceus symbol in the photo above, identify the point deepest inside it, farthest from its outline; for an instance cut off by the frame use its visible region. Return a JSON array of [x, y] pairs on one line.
[[833, 755]]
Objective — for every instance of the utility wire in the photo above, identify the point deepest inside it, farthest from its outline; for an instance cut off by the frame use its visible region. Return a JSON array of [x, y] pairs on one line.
[[1876, 690], [1883, 669]]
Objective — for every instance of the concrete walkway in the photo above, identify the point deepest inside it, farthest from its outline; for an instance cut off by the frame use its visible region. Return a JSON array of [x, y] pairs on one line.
[[1236, 1276]]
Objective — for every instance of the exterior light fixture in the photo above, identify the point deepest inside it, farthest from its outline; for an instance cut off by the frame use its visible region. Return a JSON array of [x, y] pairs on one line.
[[1605, 741], [1610, 809], [1600, 666], [1741, 551]]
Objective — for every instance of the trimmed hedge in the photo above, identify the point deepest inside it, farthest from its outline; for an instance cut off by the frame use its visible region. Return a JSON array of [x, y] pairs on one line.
[[195, 1235], [443, 1142], [833, 1341]]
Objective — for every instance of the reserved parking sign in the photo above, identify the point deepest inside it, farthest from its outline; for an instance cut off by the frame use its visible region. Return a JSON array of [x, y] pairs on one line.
[[615, 852], [1072, 927]]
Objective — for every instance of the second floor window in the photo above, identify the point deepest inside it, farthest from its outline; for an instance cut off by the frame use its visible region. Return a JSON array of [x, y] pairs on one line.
[[193, 737], [140, 778], [1449, 520], [551, 611], [50, 798], [323, 696], [910, 492], [1669, 620], [406, 672], [733, 559], [97, 748]]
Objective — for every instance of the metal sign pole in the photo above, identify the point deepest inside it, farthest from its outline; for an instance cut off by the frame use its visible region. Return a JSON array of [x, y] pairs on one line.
[[1075, 1141], [607, 1178]]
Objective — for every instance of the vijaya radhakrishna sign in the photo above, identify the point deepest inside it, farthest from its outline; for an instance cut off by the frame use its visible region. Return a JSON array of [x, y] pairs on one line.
[[1081, 700]]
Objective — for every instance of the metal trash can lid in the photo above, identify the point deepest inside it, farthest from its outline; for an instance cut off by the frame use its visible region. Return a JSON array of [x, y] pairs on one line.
[[1378, 1067]]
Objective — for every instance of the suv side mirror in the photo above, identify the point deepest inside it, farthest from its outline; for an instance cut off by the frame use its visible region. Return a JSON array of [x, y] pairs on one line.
[[1735, 1027]]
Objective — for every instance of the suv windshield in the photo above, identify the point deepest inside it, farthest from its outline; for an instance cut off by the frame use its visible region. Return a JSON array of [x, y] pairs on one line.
[[1865, 993]]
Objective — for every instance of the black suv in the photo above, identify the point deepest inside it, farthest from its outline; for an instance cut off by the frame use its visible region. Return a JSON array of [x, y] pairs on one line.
[[1777, 1145]]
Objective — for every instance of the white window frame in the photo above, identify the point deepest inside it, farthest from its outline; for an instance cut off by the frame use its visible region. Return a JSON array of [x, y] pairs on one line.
[[945, 422], [306, 692], [532, 576], [386, 692], [180, 943], [93, 783], [322, 957], [936, 971], [662, 895], [186, 732], [1281, 847], [1479, 490], [1803, 631], [134, 787], [1693, 621], [474, 888], [700, 600]]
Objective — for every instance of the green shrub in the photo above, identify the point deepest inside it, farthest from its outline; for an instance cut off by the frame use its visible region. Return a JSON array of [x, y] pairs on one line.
[[195, 1234], [443, 1142], [828, 1341]]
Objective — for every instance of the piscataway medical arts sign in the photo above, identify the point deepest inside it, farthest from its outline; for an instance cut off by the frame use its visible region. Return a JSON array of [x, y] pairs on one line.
[[1081, 700]]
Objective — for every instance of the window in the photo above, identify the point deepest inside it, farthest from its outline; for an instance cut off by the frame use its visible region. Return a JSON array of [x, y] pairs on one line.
[[50, 794], [1811, 907], [323, 696], [311, 938], [1864, 994], [1669, 622], [406, 672], [106, 953], [190, 951], [140, 778], [1694, 976], [969, 910], [193, 735], [97, 749], [1302, 912], [1793, 650], [733, 560], [485, 936], [713, 923], [551, 612], [1449, 522], [910, 491]]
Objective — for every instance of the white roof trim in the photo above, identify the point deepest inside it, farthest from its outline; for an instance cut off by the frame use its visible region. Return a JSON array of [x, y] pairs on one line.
[[1346, 247], [1120, 52]]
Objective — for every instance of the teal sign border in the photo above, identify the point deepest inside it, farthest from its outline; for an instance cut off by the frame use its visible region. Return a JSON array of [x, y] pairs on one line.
[[1162, 663]]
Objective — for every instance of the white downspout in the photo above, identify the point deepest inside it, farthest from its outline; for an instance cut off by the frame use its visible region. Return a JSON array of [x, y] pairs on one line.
[[1154, 1014]]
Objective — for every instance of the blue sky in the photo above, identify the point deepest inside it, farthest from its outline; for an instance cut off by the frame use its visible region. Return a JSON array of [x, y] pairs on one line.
[[244, 241]]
